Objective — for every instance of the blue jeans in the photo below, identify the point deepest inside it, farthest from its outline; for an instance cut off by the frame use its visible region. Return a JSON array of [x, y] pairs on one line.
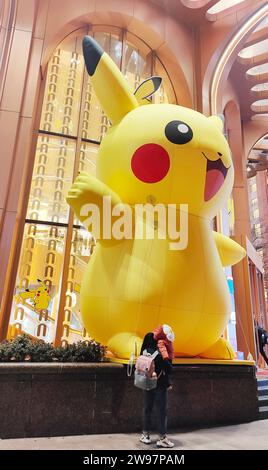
[[157, 396]]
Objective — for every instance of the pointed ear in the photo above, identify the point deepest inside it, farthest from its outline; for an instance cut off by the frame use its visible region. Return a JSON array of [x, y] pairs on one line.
[[146, 89], [218, 121], [112, 89]]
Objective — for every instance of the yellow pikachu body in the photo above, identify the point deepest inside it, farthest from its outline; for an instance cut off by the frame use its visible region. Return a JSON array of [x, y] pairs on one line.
[[165, 154]]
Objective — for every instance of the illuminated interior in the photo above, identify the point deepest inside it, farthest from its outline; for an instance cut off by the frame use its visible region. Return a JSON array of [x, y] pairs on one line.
[[257, 180]]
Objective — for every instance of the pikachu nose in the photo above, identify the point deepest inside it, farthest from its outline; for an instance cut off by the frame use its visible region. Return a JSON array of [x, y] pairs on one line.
[[150, 163]]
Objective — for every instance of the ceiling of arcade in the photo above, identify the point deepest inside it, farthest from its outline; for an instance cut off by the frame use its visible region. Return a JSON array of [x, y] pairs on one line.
[[199, 11], [250, 69]]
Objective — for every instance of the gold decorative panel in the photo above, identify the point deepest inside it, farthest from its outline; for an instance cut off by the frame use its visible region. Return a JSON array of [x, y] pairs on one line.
[[137, 65], [60, 112], [166, 93], [88, 157], [94, 122], [52, 178], [83, 244]]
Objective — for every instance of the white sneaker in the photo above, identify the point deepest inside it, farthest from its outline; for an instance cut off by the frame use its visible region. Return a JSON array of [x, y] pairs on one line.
[[165, 442], [145, 439]]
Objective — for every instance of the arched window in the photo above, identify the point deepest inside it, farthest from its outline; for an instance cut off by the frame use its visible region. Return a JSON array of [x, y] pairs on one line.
[[71, 128]]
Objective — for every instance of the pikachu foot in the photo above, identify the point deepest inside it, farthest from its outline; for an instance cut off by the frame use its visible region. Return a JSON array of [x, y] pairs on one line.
[[123, 345], [219, 350]]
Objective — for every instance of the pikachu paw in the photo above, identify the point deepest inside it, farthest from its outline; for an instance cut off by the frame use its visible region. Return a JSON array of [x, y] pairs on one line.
[[222, 349], [123, 345], [80, 187], [81, 192]]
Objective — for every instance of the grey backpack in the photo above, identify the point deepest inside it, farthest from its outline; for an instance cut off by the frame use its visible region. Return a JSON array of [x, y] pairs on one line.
[[145, 376]]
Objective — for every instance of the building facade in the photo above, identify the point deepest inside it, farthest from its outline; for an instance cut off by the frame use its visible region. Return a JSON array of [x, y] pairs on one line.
[[212, 56]]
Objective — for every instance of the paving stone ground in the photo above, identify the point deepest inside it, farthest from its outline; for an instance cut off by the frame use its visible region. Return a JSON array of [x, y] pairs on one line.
[[247, 436]]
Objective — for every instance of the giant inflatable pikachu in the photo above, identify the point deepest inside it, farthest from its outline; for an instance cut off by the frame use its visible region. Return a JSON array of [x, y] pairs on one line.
[[168, 154]]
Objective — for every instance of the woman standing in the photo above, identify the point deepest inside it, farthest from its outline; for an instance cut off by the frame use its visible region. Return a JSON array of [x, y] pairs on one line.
[[160, 339]]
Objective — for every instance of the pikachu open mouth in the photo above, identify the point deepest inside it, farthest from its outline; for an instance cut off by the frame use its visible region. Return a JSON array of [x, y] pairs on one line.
[[215, 175]]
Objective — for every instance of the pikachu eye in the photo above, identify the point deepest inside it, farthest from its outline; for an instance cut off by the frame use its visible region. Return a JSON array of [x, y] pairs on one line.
[[178, 132]]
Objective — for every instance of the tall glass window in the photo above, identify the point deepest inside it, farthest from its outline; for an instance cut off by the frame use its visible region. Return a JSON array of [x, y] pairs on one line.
[[56, 249]]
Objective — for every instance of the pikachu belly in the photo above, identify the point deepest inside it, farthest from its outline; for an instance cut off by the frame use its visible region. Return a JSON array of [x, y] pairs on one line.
[[135, 285]]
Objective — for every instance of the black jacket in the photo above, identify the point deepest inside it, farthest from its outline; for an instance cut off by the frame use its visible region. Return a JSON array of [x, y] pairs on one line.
[[262, 336], [163, 368]]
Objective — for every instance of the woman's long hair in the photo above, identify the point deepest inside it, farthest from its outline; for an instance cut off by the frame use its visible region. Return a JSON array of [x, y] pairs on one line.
[[149, 342]]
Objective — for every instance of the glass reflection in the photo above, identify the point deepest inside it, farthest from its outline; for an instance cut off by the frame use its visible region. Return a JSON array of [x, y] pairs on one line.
[[83, 244], [52, 178], [63, 89]]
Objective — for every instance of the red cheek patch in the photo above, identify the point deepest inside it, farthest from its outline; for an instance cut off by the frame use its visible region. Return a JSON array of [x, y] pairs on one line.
[[150, 163]]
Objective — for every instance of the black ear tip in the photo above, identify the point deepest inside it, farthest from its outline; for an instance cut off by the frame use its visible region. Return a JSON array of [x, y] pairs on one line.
[[92, 53], [88, 41], [157, 82]]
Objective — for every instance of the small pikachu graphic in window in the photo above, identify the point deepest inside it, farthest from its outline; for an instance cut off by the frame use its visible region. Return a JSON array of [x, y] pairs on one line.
[[38, 297]]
